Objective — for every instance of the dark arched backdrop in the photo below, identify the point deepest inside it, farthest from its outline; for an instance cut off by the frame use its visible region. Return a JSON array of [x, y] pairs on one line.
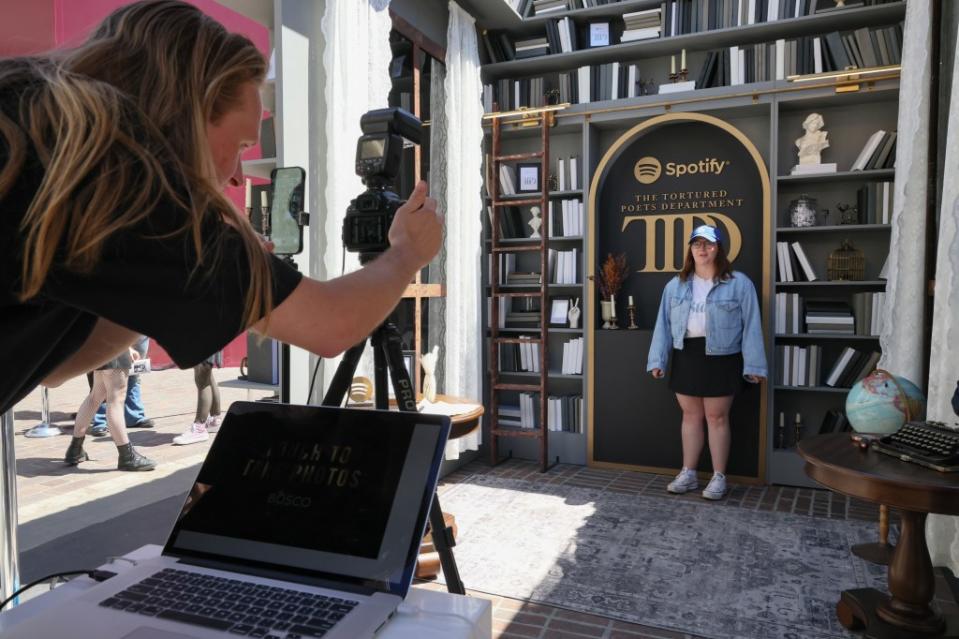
[[652, 187]]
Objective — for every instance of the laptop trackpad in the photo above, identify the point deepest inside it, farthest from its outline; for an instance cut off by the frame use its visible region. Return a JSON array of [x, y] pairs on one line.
[[145, 632]]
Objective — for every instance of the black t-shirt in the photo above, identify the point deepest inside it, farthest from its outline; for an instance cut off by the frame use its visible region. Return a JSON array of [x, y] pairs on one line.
[[145, 284]]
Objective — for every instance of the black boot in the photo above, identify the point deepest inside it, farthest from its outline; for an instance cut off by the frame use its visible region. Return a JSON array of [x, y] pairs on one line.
[[130, 459], [75, 453]]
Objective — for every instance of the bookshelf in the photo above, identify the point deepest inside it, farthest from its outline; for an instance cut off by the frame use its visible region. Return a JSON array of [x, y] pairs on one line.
[[770, 114]]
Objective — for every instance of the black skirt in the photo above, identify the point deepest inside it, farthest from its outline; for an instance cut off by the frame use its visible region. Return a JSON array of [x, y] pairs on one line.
[[694, 373]]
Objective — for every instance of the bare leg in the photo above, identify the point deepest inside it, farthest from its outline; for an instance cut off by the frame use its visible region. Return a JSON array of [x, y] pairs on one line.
[[717, 421], [202, 374], [115, 381], [692, 429], [89, 406], [215, 394]]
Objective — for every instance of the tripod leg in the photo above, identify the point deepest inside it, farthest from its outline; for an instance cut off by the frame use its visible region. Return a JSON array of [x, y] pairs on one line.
[[340, 386], [388, 337], [380, 364], [444, 542]]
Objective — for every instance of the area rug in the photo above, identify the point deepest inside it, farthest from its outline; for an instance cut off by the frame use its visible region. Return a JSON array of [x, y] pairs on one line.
[[716, 571]]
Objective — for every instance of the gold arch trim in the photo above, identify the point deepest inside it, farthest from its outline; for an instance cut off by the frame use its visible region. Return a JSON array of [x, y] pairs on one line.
[[629, 136]]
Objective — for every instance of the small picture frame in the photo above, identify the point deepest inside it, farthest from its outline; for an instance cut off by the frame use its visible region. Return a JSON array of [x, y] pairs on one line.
[[558, 315], [528, 176], [599, 34]]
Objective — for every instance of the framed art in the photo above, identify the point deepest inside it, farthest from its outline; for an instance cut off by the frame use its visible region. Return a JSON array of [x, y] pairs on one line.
[[528, 175], [599, 35]]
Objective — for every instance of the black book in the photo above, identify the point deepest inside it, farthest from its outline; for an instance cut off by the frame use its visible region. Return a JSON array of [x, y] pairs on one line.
[[849, 372], [830, 421], [837, 52], [506, 45]]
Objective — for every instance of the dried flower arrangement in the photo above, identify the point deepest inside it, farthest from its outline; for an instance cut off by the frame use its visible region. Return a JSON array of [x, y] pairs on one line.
[[611, 276]]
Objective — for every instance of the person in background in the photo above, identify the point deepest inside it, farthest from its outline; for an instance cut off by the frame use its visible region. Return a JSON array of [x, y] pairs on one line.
[[709, 322], [207, 418], [109, 385], [134, 414]]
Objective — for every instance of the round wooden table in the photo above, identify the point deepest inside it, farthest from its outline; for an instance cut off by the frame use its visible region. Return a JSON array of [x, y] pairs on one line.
[[840, 465]]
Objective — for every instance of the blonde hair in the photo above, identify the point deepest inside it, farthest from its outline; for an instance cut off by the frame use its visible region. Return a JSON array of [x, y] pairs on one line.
[[118, 124]]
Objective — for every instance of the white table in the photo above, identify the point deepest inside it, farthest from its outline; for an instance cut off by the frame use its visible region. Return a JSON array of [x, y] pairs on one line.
[[440, 615]]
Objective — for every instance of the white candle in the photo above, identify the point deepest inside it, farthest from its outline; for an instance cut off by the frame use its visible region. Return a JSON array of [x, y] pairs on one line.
[[682, 63], [612, 303], [672, 64], [249, 193], [631, 300], [262, 199]]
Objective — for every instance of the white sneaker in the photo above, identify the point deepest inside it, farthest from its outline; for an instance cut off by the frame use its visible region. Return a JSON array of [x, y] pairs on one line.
[[195, 435], [213, 423], [685, 481], [716, 489]]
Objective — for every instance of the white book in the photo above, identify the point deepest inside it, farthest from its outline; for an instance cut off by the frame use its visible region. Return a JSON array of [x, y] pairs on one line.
[[772, 10], [780, 313], [584, 84], [780, 56], [797, 313], [787, 366], [564, 368], [634, 35], [574, 161], [841, 362], [751, 15], [564, 41], [867, 150], [561, 173], [733, 66], [817, 54], [797, 371], [579, 356], [631, 82], [804, 262], [616, 94], [813, 169], [803, 367]]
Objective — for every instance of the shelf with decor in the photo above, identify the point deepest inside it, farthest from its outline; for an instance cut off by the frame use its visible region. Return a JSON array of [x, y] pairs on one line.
[[835, 228], [841, 176]]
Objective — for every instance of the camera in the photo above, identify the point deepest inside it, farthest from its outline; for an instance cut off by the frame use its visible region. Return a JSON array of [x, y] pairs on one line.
[[379, 153]]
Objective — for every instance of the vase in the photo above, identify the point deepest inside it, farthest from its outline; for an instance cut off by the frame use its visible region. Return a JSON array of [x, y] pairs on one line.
[[802, 211], [606, 308]]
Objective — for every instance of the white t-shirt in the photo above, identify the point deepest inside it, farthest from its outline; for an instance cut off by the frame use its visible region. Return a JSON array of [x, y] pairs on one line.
[[696, 325]]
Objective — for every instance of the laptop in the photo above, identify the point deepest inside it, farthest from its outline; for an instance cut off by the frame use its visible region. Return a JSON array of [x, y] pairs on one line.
[[304, 521]]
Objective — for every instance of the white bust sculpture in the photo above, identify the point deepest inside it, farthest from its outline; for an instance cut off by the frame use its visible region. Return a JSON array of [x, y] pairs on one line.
[[573, 314], [535, 222], [428, 362], [811, 145]]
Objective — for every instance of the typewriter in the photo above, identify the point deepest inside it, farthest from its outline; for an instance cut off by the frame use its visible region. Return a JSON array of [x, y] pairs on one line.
[[930, 444]]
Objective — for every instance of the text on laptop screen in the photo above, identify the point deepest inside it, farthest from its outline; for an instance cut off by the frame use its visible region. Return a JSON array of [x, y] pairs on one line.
[[323, 490]]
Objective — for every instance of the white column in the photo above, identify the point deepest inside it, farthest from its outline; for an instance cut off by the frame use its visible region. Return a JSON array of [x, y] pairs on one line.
[[901, 339]]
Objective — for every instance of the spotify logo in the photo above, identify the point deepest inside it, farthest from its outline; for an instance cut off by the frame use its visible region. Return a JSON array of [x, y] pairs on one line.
[[647, 170]]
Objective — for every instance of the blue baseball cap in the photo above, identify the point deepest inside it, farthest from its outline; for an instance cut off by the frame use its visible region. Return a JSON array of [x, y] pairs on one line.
[[710, 233]]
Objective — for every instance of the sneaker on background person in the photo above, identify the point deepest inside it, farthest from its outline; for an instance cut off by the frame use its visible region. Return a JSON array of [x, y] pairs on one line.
[[213, 423], [685, 481], [197, 433], [716, 489]]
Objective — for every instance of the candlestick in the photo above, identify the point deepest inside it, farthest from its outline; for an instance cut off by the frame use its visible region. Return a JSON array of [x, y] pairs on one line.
[[672, 64], [781, 433], [798, 427], [249, 193], [631, 310], [682, 62]]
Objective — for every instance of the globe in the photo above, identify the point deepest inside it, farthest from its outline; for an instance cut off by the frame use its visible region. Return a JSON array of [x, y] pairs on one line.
[[881, 403]]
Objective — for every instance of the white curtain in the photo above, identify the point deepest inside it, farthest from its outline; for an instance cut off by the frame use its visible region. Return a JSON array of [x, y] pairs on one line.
[[357, 60], [942, 531], [901, 342], [464, 111]]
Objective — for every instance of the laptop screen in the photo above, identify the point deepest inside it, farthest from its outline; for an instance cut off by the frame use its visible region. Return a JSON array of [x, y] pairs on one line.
[[330, 493]]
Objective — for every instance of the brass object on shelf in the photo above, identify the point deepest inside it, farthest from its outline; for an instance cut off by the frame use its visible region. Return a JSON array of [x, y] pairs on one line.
[[846, 263], [631, 309]]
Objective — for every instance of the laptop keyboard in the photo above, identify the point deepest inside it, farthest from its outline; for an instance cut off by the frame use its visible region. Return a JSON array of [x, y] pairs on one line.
[[232, 606]]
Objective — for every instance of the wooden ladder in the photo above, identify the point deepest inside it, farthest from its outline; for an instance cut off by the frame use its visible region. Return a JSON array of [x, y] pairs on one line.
[[543, 120]]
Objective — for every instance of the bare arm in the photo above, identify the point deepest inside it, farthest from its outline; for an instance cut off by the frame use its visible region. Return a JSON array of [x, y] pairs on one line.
[[106, 341], [328, 317]]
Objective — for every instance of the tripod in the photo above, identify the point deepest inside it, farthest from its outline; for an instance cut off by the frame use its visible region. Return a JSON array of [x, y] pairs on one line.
[[388, 358]]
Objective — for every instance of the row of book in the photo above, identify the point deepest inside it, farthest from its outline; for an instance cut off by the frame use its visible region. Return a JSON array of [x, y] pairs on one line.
[[563, 266], [875, 202], [564, 413], [879, 152], [851, 366], [798, 365], [792, 263], [522, 357], [566, 218], [834, 421], [512, 224], [567, 173], [572, 357], [796, 315], [516, 313]]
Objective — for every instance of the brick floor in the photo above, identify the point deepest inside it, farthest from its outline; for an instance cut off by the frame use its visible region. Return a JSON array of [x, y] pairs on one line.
[[46, 486]]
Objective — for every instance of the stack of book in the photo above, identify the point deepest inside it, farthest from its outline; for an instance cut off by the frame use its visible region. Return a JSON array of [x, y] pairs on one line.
[[875, 202], [879, 152], [850, 367], [531, 48], [642, 25], [567, 173], [507, 180], [834, 421], [529, 415], [829, 317], [565, 413], [563, 266], [514, 278], [792, 263], [798, 365], [573, 357], [510, 415], [511, 224], [546, 7]]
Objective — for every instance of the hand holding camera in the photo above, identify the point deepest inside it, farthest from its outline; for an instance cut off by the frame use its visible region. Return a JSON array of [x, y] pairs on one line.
[[417, 229]]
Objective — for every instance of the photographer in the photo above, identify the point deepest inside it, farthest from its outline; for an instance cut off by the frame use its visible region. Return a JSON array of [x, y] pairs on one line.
[[113, 157]]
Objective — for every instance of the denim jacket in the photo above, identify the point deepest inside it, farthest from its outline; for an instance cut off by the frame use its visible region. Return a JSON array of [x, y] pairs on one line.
[[732, 323]]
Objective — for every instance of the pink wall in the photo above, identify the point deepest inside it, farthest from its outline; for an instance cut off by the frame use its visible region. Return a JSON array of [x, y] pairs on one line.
[[40, 25]]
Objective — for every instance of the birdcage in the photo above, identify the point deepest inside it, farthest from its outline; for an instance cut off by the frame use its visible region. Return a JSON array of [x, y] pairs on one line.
[[846, 263]]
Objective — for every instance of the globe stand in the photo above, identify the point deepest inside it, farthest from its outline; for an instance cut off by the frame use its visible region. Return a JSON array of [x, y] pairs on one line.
[[879, 552]]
